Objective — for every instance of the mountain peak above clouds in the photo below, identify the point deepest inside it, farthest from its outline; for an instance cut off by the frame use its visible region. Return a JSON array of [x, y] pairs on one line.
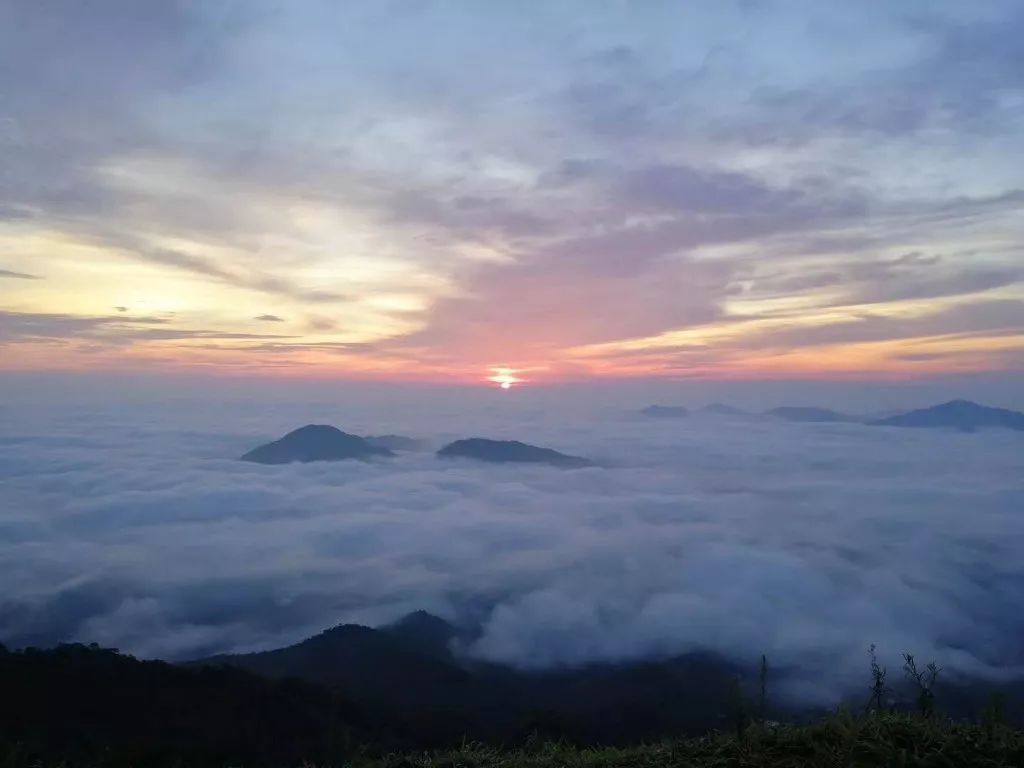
[[315, 442], [510, 451], [957, 414]]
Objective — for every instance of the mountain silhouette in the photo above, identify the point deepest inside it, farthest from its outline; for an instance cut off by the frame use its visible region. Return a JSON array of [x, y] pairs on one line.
[[315, 442], [370, 665], [80, 705], [665, 411], [808, 414], [407, 674], [957, 414], [510, 451], [425, 633], [401, 672]]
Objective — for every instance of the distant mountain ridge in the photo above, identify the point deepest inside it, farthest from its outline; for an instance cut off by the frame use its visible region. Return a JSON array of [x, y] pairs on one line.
[[315, 442], [956, 414], [510, 451]]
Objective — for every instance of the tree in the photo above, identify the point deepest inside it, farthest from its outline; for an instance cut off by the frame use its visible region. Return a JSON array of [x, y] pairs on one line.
[[924, 680]]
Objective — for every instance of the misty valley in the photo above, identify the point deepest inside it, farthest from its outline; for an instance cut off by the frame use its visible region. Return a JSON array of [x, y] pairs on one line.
[[625, 576]]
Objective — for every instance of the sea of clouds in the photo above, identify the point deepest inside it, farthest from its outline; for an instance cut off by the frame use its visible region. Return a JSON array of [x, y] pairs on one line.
[[133, 525]]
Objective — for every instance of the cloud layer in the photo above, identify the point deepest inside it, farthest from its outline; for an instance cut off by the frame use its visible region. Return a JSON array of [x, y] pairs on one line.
[[135, 527], [421, 189]]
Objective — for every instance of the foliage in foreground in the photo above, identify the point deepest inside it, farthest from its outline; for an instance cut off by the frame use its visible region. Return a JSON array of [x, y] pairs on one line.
[[879, 739], [886, 739]]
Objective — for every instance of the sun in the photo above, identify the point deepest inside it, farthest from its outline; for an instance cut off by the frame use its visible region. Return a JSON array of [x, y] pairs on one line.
[[504, 377]]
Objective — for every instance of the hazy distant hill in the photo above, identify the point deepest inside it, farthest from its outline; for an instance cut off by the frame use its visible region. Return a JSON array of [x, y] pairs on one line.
[[510, 451], [315, 442], [665, 411], [957, 414], [808, 414]]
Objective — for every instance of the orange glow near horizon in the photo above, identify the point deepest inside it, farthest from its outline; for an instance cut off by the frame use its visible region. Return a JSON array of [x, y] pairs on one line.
[[734, 359], [75, 317]]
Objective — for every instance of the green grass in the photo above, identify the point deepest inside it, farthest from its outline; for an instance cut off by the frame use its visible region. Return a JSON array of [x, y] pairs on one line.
[[840, 740]]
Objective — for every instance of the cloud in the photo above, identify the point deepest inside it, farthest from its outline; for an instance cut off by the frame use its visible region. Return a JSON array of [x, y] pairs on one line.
[[598, 175], [114, 329], [90, 68], [679, 188], [269, 318], [983, 317], [528, 310], [6, 273], [19, 325], [883, 280], [136, 527], [251, 279]]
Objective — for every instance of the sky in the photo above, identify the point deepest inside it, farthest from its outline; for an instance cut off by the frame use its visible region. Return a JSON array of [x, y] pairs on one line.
[[470, 192], [133, 525]]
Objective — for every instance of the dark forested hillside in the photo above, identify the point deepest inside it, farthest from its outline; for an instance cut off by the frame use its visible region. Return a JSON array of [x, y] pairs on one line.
[[356, 694], [406, 672], [87, 705]]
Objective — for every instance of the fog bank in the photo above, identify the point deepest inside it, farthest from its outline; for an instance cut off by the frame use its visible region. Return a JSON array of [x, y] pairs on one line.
[[135, 526]]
